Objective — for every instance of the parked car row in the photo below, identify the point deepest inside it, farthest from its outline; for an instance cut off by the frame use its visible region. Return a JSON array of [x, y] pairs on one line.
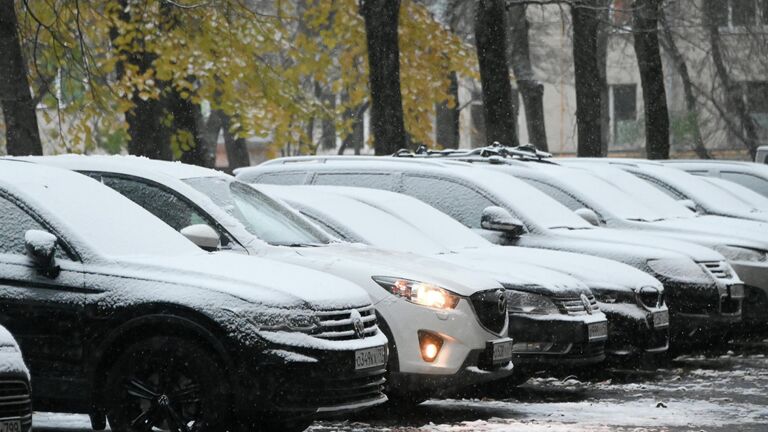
[[162, 295]]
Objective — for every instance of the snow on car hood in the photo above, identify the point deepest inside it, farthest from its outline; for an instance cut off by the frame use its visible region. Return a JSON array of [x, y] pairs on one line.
[[254, 279], [591, 270], [694, 251], [339, 257], [715, 230], [11, 361]]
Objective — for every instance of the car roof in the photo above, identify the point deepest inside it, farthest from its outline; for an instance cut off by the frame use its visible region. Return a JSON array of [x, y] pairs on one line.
[[135, 165]]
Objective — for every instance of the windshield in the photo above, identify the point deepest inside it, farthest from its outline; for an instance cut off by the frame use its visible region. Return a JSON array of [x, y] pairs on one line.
[[748, 196], [699, 190], [600, 193], [262, 216], [649, 196]]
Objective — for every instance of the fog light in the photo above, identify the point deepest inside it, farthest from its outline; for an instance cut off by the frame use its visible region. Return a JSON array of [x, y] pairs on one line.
[[430, 344]]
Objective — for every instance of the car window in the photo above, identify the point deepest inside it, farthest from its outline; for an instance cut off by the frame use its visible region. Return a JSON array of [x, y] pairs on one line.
[[459, 201], [14, 222], [561, 196], [662, 186], [165, 205], [281, 178], [757, 184], [368, 180]]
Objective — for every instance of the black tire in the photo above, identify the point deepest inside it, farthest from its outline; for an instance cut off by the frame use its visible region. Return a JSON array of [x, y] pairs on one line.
[[155, 385]]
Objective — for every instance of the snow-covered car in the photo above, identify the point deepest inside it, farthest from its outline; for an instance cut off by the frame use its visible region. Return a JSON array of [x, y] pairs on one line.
[[15, 396], [748, 174], [692, 190], [119, 316], [744, 243], [447, 326], [702, 291], [554, 319], [632, 300], [747, 195]]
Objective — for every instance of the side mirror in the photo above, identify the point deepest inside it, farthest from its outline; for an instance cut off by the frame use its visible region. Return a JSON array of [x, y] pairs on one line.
[[689, 204], [41, 249], [498, 219], [588, 215], [203, 236]]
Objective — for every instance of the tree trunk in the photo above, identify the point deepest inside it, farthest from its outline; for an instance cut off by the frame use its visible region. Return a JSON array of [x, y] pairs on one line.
[[531, 90], [648, 52], [603, 38], [387, 124], [237, 148], [585, 15], [669, 44], [21, 133], [491, 43], [735, 102], [188, 118], [447, 118]]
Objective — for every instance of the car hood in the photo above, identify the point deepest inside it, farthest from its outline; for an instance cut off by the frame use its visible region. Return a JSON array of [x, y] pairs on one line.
[[251, 279], [591, 270], [694, 251], [352, 259], [716, 230]]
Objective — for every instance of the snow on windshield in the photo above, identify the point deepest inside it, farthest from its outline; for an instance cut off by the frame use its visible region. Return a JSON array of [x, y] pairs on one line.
[[363, 221], [261, 216], [601, 193], [750, 197], [698, 189], [92, 216], [646, 194]]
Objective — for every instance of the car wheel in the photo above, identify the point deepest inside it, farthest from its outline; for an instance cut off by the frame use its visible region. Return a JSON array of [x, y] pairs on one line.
[[167, 384]]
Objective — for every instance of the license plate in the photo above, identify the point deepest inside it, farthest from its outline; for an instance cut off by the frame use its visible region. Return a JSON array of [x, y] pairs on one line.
[[501, 350], [10, 426], [660, 319], [597, 331], [370, 357], [737, 291]]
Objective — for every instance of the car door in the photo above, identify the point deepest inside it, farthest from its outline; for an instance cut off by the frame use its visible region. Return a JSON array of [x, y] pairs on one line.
[[45, 314]]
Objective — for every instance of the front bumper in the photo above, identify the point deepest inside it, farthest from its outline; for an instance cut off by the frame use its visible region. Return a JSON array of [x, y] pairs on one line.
[[555, 341], [308, 381], [632, 331], [755, 277], [16, 400], [697, 310]]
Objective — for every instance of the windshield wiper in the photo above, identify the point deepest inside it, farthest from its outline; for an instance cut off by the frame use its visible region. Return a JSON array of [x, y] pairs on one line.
[[569, 228]]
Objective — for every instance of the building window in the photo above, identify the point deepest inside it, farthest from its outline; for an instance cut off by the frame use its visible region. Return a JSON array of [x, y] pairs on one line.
[[732, 14], [756, 98], [620, 14], [624, 113]]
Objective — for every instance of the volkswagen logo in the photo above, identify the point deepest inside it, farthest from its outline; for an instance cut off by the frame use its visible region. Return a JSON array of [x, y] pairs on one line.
[[357, 323], [587, 305], [502, 302]]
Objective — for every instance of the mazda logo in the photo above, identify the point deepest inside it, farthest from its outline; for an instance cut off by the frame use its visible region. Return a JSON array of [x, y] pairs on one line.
[[587, 305], [357, 324], [502, 302]]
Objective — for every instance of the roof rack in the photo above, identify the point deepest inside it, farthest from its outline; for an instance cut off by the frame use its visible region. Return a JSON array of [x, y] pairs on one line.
[[527, 151]]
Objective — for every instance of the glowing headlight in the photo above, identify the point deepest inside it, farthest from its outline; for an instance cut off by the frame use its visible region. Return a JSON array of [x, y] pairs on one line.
[[527, 303], [420, 293], [734, 253], [682, 269]]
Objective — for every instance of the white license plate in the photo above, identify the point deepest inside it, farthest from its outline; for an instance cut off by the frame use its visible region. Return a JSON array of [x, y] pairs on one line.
[[371, 357], [660, 319], [10, 426], [597, 331], [502, 350], [737, 291]]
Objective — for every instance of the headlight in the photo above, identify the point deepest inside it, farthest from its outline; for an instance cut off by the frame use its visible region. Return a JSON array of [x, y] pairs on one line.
[[527, 303], [612, 295], [682, 270], [420, 293], [734, 253]]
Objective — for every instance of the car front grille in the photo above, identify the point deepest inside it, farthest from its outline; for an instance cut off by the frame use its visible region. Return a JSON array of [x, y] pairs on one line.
[[576, 306], [15, 402], [491, 309], [718, 269], [340, 324]]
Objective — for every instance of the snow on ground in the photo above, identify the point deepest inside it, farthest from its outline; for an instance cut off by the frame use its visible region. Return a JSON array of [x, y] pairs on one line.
[[724, 393]]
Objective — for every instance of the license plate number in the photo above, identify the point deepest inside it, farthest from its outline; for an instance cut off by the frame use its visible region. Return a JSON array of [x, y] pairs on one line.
[[10, 426], [370, 357], [737, 291], [597, 331], [660, 319], [501, 351]]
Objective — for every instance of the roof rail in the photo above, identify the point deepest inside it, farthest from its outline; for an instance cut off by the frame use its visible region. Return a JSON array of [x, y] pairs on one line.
[[528, 152], [334, 158]]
